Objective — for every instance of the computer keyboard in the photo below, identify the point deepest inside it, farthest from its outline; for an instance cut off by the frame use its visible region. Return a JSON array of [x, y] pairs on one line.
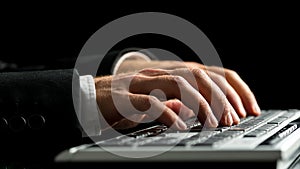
[[268, 128]]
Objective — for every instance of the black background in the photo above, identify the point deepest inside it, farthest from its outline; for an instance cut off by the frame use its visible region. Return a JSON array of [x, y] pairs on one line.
[[259, 41]]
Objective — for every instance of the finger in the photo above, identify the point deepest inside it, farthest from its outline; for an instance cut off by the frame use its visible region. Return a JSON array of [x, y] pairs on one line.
[[230, 93], [212, 93], [248, 98], [156, 109], [180, 109], [226, 119], [176, 87]]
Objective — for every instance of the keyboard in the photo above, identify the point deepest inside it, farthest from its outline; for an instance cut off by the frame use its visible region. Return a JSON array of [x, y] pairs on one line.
[[267, 129], [270, 140]]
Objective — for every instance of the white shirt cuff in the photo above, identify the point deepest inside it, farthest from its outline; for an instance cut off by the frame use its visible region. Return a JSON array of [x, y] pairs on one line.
[[89, 111], [129, 55]]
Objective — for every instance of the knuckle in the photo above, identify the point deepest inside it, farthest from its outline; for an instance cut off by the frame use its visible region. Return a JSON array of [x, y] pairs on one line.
[[203, 104], [176, 102], [177, 80], [227, 109], [141, 103], [219, 79], [135, 80], [249, 93], [232, 73], [199, 73]]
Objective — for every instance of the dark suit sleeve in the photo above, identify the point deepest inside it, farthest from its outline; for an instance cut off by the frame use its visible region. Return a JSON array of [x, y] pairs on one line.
[[37, 110], [107, 65]]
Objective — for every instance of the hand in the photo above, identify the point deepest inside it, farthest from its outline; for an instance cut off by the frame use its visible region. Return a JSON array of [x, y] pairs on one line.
[[171, 111], [236, 90], [113, 95]]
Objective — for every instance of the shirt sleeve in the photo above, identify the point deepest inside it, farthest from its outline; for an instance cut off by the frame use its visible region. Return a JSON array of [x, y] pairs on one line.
[[133, 55], [89, 111]]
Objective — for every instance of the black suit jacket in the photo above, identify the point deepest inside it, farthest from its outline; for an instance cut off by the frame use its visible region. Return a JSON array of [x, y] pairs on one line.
[[37, 113]]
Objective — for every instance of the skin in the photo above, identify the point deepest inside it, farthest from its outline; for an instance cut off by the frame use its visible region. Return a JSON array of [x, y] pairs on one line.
[[215, 95]]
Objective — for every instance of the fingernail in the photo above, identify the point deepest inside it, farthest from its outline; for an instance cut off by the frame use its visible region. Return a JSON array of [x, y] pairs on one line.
[[181, 124], [243, 113], [228, 119], [213, 121], [234, 116], [256, 109]]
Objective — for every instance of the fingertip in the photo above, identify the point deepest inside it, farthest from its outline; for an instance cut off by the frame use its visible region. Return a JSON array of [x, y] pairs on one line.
[[228, 119], [180, 109], [235, 117], [256, 110], [242, 112], [210, 121], [252, 107], [213, 122], [180, 124]]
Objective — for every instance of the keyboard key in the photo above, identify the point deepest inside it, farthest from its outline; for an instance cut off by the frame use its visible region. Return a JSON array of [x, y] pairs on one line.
[[287, 115], [243, 120], [284, 132], [267, 127], [192, 122], [191, 141], [278, 120], [168, 141], [240, 129], [255, 133], [229, 133], [213, 141], [207, 134], [269, 113], [221, 128], [209, 142]]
